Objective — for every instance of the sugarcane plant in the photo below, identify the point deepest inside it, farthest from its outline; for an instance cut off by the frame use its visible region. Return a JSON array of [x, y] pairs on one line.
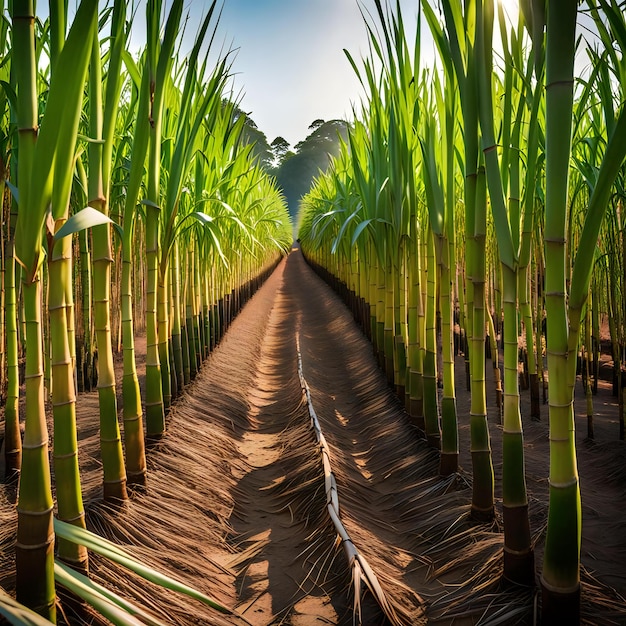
[[560, 578], [200, 103], [456, 44], [439, 187], [12, 434], [159, 63], [518, 552], [44, 148], [132, 411], [102, 120]]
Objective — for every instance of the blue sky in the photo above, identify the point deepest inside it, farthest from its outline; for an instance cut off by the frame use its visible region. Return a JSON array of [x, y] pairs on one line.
[[290, 63]]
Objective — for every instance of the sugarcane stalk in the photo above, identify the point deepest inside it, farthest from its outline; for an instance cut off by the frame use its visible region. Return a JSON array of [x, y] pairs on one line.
[[560, 578], [114, 480]]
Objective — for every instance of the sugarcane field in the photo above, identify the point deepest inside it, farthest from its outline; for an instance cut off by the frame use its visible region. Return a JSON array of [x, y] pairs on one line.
[[372, 378]]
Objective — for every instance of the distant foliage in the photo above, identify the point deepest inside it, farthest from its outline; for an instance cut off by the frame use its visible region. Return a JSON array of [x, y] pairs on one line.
[[297, 169], [252, 135]]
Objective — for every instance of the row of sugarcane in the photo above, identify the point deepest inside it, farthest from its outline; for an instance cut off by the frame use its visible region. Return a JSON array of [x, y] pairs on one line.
[[473, 169], [153, 139]]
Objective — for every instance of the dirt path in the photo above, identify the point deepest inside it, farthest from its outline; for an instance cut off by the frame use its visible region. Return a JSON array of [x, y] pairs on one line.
[[274, 583], [236, 506]]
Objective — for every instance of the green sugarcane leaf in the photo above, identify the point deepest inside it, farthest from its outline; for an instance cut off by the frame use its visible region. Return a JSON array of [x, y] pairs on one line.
[[131, 67], [203, 218], [119, 555], [103, 604], [217, 244], [342, 230], [15, 192], [90, 139], [85, 218], [614, 156], [147, 202], [10, 94], [615, 17], [17, 614], [56, 140], [106, 602], [359, 229], [231, 214]]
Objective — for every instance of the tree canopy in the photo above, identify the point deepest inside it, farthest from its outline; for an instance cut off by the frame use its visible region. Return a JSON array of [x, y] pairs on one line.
[[298, 168], [295, 169]]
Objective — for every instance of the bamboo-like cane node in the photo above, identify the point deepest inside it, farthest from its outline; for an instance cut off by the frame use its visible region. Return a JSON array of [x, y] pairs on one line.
[[57, 307], [69, 455], [71, 400], [511, 551], [560, 406], [71, 520], [63, 362], [560, 83], [560, 589], [35, 546], [35, 446], [487, 509], [34, 513], [557, 353]]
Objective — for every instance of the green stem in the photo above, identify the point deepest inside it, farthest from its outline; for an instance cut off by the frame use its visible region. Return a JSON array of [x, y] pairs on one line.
[[66, 470], [519, 564], [431, 400], [34, 549], [482, 467], [560, 579]]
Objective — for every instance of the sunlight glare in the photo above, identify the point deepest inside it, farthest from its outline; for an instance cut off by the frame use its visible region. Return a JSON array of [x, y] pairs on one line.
[[511, 10]]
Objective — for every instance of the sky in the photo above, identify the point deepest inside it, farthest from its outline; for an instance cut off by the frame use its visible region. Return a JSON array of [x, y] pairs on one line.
[[290, 63]]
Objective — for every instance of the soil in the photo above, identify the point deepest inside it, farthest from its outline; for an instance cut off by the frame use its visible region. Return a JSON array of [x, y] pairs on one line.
[[236, 504]]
